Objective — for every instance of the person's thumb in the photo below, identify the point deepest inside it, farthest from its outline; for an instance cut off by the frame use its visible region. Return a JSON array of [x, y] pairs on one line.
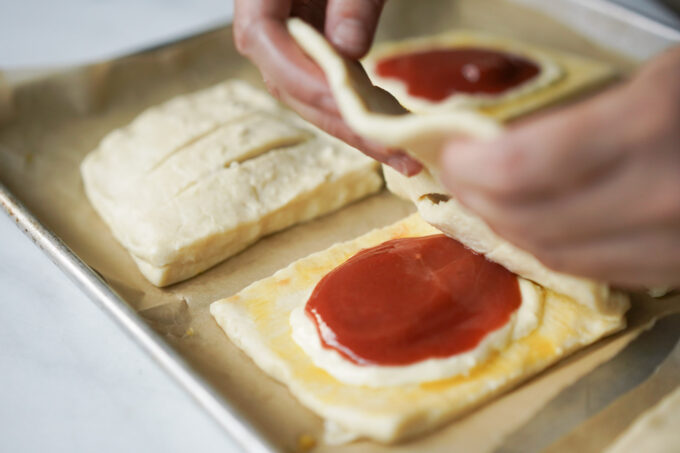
[[351, 24]]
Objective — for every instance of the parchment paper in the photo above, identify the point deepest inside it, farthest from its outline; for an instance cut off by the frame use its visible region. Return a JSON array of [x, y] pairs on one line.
[[53, 124]]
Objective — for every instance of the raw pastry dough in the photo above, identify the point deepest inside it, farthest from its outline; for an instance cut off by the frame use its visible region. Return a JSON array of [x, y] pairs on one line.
[[375, 114], [561, 76], [200, 177], [655, 431], [257, 320]]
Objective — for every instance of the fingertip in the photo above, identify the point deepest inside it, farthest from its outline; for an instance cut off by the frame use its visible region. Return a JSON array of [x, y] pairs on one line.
[[350, 37], [413, 167], [398, 159], [287, 68], [351, 24]]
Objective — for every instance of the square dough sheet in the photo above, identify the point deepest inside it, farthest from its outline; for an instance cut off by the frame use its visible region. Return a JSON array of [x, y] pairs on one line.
[[257, 320], [563, 75], [199, 178]]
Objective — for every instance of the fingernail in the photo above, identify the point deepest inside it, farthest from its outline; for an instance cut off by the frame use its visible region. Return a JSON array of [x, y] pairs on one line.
[[397, 162], [413, 168], [350, 36], [403, 164]]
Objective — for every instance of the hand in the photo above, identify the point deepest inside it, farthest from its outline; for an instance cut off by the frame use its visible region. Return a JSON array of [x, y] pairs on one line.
[[261, 35], [592, 189]]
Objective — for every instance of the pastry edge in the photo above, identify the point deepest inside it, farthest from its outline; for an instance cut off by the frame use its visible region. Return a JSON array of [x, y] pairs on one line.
[[350, 187]]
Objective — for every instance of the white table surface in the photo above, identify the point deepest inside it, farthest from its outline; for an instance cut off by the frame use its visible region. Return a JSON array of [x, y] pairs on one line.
[[69, 379]]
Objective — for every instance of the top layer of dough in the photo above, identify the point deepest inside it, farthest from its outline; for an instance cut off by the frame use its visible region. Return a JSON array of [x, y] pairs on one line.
[[198, 178]]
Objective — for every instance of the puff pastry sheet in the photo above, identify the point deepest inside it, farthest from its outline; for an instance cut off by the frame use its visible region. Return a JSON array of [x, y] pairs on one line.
[[197, 179], [257, 320], [562, 74]]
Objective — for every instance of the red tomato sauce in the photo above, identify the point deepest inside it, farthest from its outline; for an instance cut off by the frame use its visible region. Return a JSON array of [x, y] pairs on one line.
[[411, 299], [439, 73]]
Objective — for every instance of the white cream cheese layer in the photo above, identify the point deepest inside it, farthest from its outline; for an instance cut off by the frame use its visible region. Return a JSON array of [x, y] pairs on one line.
[[520, 324]]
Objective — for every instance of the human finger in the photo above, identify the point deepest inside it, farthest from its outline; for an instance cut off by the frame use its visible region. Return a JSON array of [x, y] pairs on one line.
[[334, 125], [261, 34], [543, 155], [350, 25], [643, 258], [642, 192]]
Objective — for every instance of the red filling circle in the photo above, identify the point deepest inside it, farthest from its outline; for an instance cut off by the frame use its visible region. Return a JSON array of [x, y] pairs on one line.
[[439, 73], [411, 299]]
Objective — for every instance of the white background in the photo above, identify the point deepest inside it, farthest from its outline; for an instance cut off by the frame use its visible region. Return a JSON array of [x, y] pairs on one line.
[[84, 386], [55, 32]]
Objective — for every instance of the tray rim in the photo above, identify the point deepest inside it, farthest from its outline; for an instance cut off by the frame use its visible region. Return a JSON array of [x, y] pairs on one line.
[[634, 17], [238, 427], [96, 288]]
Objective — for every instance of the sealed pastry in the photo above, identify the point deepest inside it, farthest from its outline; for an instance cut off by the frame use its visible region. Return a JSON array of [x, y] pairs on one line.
[[200, 177]]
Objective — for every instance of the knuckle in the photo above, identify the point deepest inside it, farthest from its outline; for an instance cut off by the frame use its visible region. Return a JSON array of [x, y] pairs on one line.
[[314, 98]]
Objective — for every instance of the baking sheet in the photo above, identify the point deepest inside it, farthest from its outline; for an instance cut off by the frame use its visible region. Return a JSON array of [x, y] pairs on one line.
[[55, 122]]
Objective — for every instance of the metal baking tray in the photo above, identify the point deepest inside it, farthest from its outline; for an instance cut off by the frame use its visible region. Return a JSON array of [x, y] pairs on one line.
[[602, 22]]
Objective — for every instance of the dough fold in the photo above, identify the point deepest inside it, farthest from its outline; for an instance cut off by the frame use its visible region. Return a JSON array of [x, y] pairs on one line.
[[375, 114]]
